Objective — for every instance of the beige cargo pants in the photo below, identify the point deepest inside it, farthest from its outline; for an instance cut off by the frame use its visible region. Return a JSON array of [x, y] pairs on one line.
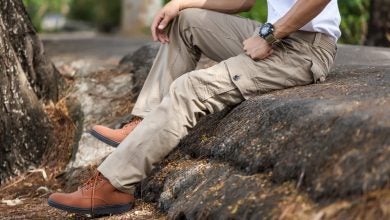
[[174, 96]]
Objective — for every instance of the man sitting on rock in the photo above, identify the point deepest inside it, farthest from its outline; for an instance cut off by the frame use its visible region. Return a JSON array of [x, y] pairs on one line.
[[295, 47]]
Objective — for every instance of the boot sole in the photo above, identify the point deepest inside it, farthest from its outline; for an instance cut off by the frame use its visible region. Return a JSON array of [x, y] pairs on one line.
[[100, 210], [103, 139]]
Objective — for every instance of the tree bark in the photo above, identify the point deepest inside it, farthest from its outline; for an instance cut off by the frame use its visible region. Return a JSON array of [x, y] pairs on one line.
[[379, 24], [27, 79]]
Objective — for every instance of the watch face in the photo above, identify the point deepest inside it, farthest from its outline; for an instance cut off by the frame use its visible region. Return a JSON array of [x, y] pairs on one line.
[[266, 29]]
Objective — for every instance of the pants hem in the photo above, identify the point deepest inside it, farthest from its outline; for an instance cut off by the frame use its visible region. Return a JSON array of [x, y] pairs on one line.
[[114, 181]]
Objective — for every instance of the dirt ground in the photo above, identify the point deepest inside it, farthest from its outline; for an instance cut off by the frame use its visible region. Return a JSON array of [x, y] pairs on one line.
[[27, 194], [25, 197]]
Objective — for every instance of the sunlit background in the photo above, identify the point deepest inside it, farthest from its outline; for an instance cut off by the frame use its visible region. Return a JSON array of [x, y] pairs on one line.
[[116, 16]]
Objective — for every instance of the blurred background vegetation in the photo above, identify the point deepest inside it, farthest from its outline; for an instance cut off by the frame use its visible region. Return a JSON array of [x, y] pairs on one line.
[[355, 14], [105, 15]]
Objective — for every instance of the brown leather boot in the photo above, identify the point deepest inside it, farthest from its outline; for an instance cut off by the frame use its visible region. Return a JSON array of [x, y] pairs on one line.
[[114, 137], [96, 197]]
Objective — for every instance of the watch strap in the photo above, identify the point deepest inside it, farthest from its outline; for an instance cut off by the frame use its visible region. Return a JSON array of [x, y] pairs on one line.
[[271, 39]]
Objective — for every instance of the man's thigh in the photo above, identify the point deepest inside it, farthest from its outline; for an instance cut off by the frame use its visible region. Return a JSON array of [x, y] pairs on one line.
[[285, 68], [217, 35]]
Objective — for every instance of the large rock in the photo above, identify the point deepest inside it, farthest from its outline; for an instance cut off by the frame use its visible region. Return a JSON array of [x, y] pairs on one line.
[[140, 63], [364, 56], [314, 152]]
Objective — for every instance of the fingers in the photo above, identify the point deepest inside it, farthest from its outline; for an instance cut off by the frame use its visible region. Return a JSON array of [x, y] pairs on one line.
[[155, 24], [246, 44], [266, 55], [162, 36], [164, 23], [162, 20], [270, 52], [158, 27], [258, 53], [249, 53]]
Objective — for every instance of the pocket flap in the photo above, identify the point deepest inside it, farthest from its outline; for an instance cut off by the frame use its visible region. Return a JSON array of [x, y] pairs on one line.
[[319, 73]]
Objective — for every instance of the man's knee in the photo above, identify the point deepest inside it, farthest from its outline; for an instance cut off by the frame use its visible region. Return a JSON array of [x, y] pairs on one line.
[[182, 89], [191, 16]]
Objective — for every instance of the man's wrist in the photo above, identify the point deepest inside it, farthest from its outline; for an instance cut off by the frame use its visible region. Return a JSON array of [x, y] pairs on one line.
[[179, 4], [266, 32], [278, 31], [176, 4]]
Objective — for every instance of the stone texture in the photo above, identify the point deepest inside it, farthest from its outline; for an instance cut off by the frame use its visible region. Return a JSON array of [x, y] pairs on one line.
[[140, 63], [104, 96], [317, 146], [314, 152], [105, 93], [363, 56]]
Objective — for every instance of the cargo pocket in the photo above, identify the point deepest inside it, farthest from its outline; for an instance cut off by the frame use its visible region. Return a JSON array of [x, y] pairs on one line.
[[319, 73], [321, 63], [212, 81]]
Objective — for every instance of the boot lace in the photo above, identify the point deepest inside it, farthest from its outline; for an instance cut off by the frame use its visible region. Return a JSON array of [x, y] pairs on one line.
[[91, 183], [130, 126]]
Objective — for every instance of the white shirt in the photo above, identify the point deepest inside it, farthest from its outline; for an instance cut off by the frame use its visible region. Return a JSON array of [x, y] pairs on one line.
[[327, 22]]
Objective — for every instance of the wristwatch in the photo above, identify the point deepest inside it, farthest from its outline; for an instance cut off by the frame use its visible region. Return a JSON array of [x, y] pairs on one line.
[[267, 33]]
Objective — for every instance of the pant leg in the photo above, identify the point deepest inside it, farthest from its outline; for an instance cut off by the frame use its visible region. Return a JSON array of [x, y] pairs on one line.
[[188, 99], [196, 31], [200, 92]]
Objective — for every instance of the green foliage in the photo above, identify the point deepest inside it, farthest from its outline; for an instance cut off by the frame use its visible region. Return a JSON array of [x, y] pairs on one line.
[[104, 14], [355, 15], [258, 12], [38, 8]]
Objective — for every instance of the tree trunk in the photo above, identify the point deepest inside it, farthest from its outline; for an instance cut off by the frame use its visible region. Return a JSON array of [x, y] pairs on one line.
[[27, 78], [379, 25]]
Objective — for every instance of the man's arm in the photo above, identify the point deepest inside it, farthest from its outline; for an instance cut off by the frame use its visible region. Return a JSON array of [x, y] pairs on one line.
[[299, 15], [226, 6], [171, 10]]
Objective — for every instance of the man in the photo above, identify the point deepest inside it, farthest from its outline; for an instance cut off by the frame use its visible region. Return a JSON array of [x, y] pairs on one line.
[[295, 47]]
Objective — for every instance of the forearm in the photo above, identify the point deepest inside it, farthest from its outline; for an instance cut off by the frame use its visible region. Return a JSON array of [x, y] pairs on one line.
[[226, 6], [299, 15]]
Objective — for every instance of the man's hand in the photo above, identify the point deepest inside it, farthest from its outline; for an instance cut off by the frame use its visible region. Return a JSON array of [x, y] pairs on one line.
[[162, 19], [257, 48]]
